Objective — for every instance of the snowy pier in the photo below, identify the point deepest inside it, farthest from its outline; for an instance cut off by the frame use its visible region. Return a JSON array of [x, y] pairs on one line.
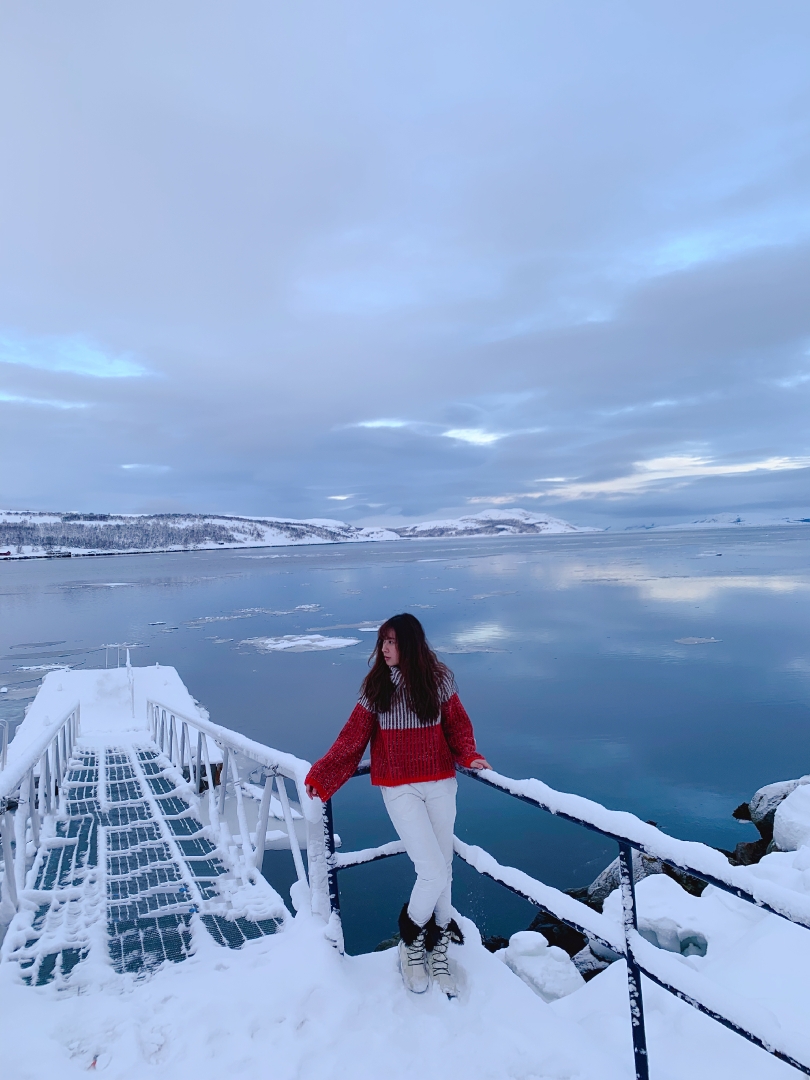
[[138, 932]]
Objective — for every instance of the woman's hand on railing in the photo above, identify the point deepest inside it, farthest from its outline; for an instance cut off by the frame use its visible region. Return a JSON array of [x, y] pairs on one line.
[[310, 790], [480, 763]]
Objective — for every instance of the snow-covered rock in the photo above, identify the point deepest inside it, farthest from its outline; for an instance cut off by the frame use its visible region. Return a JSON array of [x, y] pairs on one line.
[[603, 885], [765, 801], [791, 823], [547, 969]]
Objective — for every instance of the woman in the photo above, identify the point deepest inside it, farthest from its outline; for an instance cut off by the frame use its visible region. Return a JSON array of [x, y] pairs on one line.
[[410, 710]]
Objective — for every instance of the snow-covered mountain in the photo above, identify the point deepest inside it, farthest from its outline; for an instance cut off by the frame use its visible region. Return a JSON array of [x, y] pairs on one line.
[[24, 533], [34, 533], [722, 521], [510, 522]]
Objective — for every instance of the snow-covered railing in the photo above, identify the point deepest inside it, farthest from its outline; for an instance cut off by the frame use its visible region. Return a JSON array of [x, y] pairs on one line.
[[30, 785], [697, 860], [246, 775], [3, 743]]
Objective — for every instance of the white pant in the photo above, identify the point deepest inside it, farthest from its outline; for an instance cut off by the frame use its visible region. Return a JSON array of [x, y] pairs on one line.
[[424, 815]]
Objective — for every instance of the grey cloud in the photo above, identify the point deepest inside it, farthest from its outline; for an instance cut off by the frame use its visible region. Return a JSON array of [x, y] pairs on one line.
[[586, 228]]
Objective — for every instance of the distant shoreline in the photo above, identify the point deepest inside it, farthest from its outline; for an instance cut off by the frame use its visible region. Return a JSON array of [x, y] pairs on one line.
[[630, 531]]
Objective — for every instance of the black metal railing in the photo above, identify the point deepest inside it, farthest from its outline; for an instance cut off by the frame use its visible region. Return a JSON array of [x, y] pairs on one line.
[[630, 833]]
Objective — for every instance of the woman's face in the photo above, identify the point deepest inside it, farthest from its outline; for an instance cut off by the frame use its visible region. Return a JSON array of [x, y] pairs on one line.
[[390, 650]]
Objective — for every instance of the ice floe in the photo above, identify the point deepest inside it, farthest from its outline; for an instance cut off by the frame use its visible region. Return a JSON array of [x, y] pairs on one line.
[[299, 643]]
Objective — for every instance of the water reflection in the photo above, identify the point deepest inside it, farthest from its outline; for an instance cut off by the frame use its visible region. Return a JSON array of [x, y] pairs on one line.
[[648, 672]]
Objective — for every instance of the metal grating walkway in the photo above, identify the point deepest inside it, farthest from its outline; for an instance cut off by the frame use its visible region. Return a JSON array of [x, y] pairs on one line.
[[126, 864]]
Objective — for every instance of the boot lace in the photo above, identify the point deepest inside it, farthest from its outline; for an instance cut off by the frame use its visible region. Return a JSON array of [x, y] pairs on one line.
[[438, 958], [416, 951]]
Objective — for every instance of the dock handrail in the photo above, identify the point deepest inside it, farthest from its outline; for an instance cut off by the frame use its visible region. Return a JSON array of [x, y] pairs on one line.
[[30, 785], [695, 859], [171, 731]]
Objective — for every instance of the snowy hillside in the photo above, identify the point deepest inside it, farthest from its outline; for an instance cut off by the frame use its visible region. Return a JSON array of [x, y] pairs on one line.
[[493, 523], [32, 533], [24, 533]]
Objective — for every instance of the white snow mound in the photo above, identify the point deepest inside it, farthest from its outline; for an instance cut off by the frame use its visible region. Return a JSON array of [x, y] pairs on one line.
[[547, 969], [791, 823]]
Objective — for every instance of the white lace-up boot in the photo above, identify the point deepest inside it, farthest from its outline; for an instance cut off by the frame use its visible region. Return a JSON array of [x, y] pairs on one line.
[[412, 956], [438, 940], [440, 966]]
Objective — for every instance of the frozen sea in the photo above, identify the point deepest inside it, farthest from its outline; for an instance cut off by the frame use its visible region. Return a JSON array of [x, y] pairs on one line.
[[667, 674]]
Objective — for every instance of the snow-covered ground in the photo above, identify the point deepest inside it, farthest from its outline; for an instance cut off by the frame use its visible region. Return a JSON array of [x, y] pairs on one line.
[[290, 1006], [759, 959]]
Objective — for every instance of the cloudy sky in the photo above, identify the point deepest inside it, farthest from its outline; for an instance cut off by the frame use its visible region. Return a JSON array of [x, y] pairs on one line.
[[387, 261]]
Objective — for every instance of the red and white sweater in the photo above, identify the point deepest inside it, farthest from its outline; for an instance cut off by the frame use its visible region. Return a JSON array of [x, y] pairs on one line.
[[403, 749]]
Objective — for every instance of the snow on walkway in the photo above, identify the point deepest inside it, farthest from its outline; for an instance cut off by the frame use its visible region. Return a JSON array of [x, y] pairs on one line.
[[292, 1008]]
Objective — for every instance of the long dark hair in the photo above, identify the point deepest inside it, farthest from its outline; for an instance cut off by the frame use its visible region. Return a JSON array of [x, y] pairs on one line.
[[422, 670]]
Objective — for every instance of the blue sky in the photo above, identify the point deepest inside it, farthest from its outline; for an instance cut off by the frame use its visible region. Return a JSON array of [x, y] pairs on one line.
[[388, 262]]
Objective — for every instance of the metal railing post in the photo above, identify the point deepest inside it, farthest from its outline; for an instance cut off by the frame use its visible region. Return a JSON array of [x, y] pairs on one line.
[[21, 838], [56, 771], [223, 780], [247, 848], [331, 867], [213, 814], [32, 806], [628, 894], [9, 882], [198, 781], [261, 823], [288, 821]]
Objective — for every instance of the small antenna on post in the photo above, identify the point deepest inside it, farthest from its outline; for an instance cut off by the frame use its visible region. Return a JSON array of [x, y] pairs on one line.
[[131, 681]]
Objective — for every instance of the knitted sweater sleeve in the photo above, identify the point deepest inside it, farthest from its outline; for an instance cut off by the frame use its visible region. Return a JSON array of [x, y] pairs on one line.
[[340, 762], [458, 732]]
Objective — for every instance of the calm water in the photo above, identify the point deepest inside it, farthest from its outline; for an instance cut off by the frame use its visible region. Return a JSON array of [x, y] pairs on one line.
[[566, 653]]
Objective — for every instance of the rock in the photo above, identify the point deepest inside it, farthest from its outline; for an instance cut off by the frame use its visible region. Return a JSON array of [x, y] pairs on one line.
[[762, 807], [689, 884], [389, 943], [602, 952], [558, 933], [547, 969], [588, 963], [791, 823], [494, 942], [608, 880], [746, 853]]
